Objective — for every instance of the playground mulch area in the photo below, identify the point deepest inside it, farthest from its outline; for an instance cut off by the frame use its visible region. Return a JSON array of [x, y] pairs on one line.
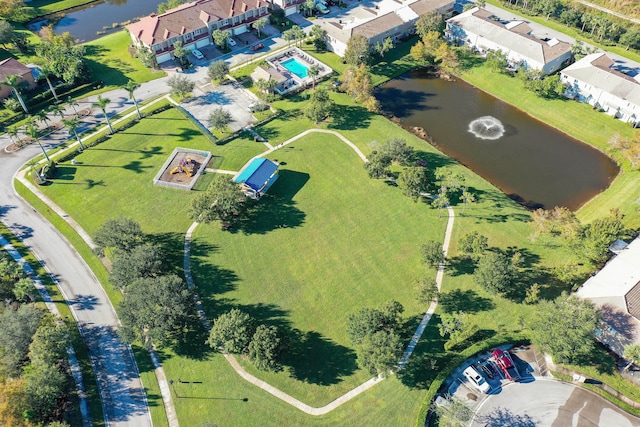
[[182, 177]]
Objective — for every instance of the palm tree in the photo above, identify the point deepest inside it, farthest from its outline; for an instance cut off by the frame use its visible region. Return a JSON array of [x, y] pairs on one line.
[[13, 82], [72, 127], [313, 72], [42, 117], [46, 71], [13, 133], [102, 104], [34, 133], [73, 104], [130, 87], [56, 110]]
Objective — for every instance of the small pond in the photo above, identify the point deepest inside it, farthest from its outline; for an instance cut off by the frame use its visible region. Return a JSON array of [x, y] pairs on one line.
[[529, 161], [86, 21]]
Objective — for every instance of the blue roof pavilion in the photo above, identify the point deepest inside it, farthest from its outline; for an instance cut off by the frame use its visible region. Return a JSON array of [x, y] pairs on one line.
[[257, 177]]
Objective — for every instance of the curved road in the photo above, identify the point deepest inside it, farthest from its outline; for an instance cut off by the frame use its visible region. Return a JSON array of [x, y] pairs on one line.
[[121, 390]]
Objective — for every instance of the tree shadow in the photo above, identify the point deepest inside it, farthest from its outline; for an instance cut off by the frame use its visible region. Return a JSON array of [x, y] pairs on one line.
[[171, 247], [460, 265], [421, 368], [619, 320], [147, 153], [276, 209], [136, 166], [104, 68], [210, 280], [467, 301], [90, 183], [84, 302], [187, 134], [503, 417], [66, 173], [349, 117], [403, 103], [315, 359], [192, 343]]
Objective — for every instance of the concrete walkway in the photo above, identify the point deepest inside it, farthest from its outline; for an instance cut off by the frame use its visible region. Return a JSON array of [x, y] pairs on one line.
[[158, 370], [76, 372], [367, 384]]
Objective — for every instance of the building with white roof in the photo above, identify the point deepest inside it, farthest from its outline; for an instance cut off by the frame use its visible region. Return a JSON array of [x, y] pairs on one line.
[[596, 80], [480, 29], [378, 20]]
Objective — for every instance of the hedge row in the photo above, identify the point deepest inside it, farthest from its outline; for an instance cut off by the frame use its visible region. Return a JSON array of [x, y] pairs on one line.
[[457, 360]]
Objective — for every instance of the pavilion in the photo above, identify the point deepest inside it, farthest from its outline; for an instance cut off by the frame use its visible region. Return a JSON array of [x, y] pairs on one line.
[[257, 176]]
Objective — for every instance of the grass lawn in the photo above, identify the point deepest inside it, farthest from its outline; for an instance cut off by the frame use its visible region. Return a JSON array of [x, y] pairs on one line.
[[109, 61], [36, 8], [337, 253]]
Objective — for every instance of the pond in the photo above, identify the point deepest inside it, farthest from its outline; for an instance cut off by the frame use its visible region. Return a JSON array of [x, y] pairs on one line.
[[96, 19], [532, 163]]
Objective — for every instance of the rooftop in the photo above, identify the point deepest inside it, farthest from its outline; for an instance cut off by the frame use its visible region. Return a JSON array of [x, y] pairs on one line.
[[10, 67]]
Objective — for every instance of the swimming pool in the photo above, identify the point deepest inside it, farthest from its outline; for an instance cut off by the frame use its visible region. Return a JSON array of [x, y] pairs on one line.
[[296, 67]]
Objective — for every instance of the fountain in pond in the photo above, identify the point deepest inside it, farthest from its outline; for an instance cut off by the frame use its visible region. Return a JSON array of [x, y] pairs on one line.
[[486, 127]]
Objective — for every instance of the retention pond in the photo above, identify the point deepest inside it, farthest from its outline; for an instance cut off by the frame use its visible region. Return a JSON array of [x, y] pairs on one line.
[[534, 164]]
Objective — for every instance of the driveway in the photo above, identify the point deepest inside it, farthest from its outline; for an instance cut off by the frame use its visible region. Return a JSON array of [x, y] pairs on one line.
[[549, 403]]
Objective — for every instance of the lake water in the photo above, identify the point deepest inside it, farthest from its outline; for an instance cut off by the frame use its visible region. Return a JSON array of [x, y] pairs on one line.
[[529, 161], [86, 21]]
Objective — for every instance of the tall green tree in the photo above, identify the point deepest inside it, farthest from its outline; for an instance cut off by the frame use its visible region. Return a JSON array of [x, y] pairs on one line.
[[14, 82], [72, 124], [102, 105], [232, 331], [44, 386], [141, 261], [380, 352], [6, 33], [564, 327], [120, 233], [217, 71], [157, 311], [180, 53], [313, 72], [50, 342], [496, 272], [398, 149], [131, 87], [180, 86], [34, 134], [265, 348], [319, 36], [319, 107], [259, 24], [432, 253], [384, 47], [219, 119], [413, 181], [17, 328], [47, 71], [221, 37], [429, 22], [358, 51], [223, 201], [473, 245]]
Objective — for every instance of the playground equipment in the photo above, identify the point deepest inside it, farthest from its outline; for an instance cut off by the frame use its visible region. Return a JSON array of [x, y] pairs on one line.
[[183, 167]]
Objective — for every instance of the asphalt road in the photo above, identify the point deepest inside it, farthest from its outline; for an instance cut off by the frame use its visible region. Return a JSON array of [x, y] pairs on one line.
[[122, 393], [550, 403]]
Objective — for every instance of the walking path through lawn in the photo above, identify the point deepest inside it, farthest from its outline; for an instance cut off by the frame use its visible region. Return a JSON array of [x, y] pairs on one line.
[[362, 387]]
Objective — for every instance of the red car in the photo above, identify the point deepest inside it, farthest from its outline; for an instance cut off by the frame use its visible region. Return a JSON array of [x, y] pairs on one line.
[[257, 47], [504, 361]]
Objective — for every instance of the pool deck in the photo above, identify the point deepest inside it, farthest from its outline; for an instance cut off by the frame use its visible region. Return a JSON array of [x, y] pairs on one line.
[[304, 59]]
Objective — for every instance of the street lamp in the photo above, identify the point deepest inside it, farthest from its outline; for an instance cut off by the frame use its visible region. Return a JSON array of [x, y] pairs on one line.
[[172, 385]]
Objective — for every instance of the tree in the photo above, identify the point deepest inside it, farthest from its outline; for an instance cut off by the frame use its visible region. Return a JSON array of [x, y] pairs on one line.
[[232, 331], [429, 22], [180, 53], [180, 86], [6, 33], [260, 23], [121, 233], [13, 82], [473, 245], [141, 261], [168, 5], [368, 321], [453, 412], [398, 149], [313, 72], [632, 354], [413, 181], [564, 327], [218, 71], [496, 272], [432, 253], [72, 128], [265, 87], [65, 57], [147, 57], [452, 324], [447, 57], [13, 402], [46, 71], [131, 87], [356, 82], [377, 165], [466, 197], [221, 37], [44, 386], [379, 352], [631, 39], [597, 236], [265, 348], [24, 290], [319, 36], [157, 311], [426, 290], [298, 34], [50, 343], [496, 60], [102, 105], [384, 47], [319, 106], [223, 201], [10, 9], [425, 50], [69, 102], [34, 134], [358, 51], [16, 333], [441, 201], [308, 6], [219, 119]]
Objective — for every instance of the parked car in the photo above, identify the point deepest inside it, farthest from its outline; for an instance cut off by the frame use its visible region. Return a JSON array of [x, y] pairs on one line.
[[504, 361], [197, 54], [231, 42], [476, 379], [257, 47]]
